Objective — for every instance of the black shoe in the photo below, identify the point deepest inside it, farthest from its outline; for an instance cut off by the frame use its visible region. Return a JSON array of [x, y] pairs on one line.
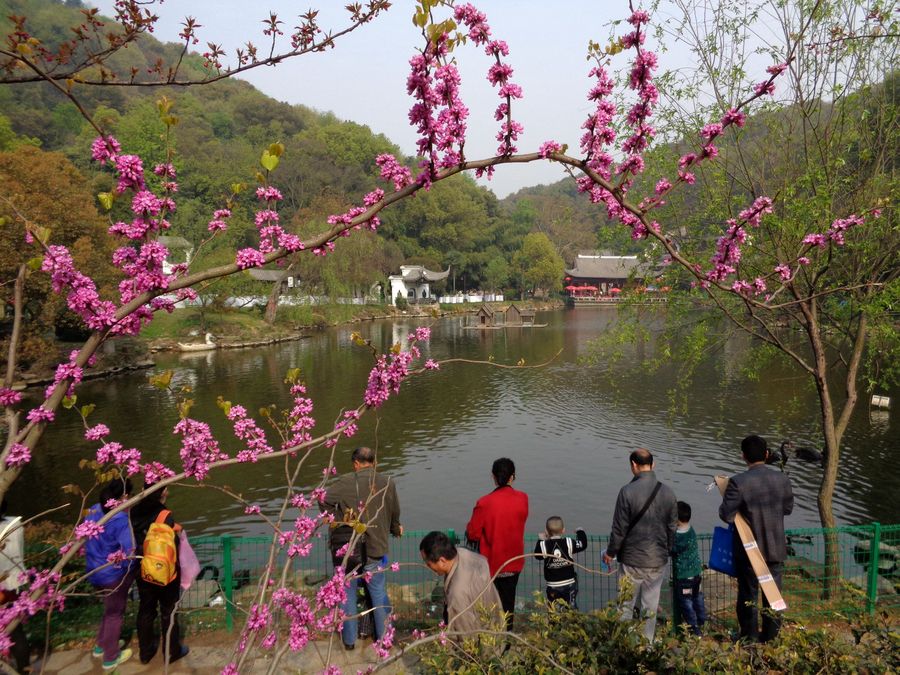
[[349, 648], [147, 659], [185, 650]]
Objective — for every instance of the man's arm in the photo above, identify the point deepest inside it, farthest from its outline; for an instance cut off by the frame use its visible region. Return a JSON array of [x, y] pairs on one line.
[[788, 497], [621, 518], [396, 527], [731, 502]]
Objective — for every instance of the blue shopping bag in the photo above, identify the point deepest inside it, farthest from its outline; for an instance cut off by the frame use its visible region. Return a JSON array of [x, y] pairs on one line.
[[721, 554]]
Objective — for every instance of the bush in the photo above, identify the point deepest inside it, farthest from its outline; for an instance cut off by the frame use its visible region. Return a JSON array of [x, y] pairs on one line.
[[401, 302], [598, 642]]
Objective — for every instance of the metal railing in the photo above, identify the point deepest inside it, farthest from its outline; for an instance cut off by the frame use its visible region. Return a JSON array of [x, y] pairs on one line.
[[868, 562]]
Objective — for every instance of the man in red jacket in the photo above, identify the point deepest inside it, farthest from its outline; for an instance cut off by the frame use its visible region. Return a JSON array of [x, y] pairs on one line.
[[498, 525]]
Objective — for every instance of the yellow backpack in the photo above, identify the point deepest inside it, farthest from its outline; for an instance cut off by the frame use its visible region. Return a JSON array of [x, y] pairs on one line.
[[160, 562]]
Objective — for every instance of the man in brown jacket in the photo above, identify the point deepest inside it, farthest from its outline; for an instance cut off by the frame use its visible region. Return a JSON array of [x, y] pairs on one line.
[[471, 601], [370, 498]]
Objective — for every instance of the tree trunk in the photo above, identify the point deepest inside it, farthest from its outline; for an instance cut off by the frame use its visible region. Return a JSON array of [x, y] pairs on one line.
[[274, 296]]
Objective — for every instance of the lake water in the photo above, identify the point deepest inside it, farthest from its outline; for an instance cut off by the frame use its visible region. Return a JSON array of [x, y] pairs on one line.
[[567, 426]]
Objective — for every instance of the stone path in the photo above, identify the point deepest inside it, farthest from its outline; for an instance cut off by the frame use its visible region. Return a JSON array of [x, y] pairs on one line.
[[210, 659]]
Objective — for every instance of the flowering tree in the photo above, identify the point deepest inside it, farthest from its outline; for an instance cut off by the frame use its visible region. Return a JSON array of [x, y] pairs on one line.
[[611, 157]]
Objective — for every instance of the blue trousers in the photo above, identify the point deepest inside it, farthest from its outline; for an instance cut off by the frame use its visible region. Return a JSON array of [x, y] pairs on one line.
[[690, 602], [382, 605]]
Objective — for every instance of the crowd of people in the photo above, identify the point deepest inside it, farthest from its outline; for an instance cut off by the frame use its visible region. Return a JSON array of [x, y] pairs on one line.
[[147, 547], [650, 527]]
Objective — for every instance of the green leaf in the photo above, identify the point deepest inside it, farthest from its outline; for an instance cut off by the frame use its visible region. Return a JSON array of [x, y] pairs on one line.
[[34, 264], [223, 404], [269, 161], [184, 408], [106, 199], [68, 402], [293, 376], [86, 410], [162, 380], [276, 149]]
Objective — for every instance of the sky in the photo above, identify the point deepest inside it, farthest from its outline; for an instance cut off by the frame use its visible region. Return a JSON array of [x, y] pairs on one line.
[[364, 78]]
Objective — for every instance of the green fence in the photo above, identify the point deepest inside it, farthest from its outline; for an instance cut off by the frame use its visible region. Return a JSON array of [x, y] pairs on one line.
[[869, 564]]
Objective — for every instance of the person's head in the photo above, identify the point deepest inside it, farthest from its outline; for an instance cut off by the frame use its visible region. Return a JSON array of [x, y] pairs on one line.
[[504, 471], [754, 449], [641, 460], [438, 552], [362, 457], [159, 496], [684, 512], [555, 526], [114, 490]]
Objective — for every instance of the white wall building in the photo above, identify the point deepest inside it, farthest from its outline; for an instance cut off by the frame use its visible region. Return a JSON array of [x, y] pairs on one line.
[[413, 283]]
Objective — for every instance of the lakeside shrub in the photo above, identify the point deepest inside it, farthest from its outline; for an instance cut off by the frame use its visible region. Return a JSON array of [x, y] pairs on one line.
[[598, 642]]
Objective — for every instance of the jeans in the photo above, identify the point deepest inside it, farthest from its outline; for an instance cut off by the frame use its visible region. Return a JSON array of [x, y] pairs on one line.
[[690, 602], [159, 600], [380, 602], [748, 597], [567, 594], [113, 614], [506, 589], [647, 583]]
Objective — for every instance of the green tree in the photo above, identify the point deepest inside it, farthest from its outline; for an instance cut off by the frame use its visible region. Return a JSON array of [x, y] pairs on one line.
[[538, 264]]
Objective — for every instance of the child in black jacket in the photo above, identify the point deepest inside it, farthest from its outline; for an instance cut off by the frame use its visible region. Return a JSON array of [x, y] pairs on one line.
[[557, 552]]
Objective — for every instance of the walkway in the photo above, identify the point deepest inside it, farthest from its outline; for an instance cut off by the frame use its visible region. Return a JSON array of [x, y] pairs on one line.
[[210, 659]]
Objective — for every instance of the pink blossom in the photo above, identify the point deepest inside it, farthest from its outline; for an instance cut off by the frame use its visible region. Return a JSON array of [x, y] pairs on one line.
[[819, 240], [735, 117], [548, 147], [89, 529], [268, 193], [784, 271], [8, 397], [19, 455], [97, 432], [249, 257], [764, 88], [105, 149], [432, 365], [777, 69], [40, 414], [803, 260]]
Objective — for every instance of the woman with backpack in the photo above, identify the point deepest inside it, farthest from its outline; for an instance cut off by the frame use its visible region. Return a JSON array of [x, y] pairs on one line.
[[111, 570], [156, 534]]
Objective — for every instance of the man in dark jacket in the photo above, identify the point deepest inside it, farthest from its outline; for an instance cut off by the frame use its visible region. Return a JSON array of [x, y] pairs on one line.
[[643, 534], [371, 498], [153, 597], [764, 497]]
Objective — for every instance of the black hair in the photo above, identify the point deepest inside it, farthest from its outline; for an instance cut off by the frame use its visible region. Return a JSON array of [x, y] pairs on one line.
[[684, 512], [114, 489], [754, 449], [437, 545], [641, 457], [363, 455], [503, 470], [555, 525]]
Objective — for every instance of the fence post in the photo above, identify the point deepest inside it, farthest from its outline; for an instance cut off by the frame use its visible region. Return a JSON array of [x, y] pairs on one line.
[[874, 555], [228, 581]]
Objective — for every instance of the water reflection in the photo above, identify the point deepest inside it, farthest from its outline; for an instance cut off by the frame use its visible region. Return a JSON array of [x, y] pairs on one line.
[[568, 428]]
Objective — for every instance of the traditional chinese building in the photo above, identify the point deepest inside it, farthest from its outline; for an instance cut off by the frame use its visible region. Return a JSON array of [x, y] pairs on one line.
[[600, 272], [413, 283]]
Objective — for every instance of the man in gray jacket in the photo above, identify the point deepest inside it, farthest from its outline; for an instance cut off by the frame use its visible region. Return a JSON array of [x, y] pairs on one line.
[[764, 497], [471, 601], [369, 497], [643, 534]]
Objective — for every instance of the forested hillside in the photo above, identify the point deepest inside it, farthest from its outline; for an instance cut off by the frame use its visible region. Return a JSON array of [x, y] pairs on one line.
[[327, 166]]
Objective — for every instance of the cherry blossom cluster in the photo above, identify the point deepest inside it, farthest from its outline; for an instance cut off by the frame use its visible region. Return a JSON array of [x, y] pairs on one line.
[[199, 448], [45, 585], [438, 114], [300, 417], [246, 429], [499, 75]]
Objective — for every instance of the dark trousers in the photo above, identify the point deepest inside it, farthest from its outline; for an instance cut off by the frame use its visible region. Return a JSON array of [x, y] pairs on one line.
[[567, 594], [748, 599], [691, 603], [158, 601], [506, 588]]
